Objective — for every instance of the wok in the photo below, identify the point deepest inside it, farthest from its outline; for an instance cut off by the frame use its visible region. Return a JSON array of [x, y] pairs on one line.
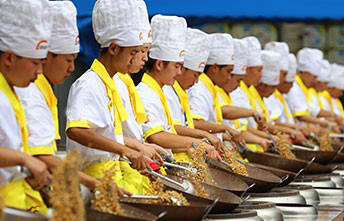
[[277, 172], [127, 213], [226, 203], [194, 211], [222, 180], [12, 214], [274, 160], [263, 180], [322, 157]]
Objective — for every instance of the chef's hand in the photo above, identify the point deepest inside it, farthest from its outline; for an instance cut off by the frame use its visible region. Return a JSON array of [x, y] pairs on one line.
[[237, 137], [260, 119], [215, 141], [39, 170], [120, 192], [150, 151], [160, 150], [265, 143], [211, 152], [138, 159], [299, 137]]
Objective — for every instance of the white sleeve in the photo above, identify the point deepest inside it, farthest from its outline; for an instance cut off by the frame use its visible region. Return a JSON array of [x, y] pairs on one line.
[[200, 105], [86, 108], [39, 119], [174, 105], [274, 109], [240, 99], [156, 119], [297, 101], [314, 106]]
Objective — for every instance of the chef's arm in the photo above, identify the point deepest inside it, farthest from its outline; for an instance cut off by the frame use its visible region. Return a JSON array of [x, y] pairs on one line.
[[324, 113], [52, 162], [293, 126], [232, 113], [90, 138], [313, 120], [172, 141], [9, 157], [200, 134], [257, 132], [210, 127]]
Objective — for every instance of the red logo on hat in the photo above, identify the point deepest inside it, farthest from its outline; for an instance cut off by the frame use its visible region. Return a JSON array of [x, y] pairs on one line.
[[149, 33], [244, 67], [181, 53], [232, 57], [140, 36], [201, 64], [41, 45]]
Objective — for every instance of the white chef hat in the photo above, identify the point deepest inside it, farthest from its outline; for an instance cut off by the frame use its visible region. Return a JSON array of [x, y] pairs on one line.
[[25, 27], [168, 34], [336, 73], [64, 34], [146, 28], [309, 60], [254, 51], [271, 67], [292, 68], [221, 49], [117, 21], [325, 70], [197, 49], [240, 54], [281, 48]]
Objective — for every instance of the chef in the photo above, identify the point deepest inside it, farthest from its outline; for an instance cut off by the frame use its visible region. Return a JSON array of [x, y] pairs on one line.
[[204, 102], [303, 105], [197, 51], [226, 103], [24, 34], [242, 96], [274, 104], [166, 57], [38, 99], [95, 111]]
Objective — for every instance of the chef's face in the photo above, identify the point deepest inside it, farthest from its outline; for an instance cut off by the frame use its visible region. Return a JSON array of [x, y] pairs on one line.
[[283, 86], [233, 83], [140, 60], [123, 58], [170, 72], [320, 85], [20, 71], [253, 75], [58, 67], [307, 78], [188, 78], [265, 90], [222, 74]]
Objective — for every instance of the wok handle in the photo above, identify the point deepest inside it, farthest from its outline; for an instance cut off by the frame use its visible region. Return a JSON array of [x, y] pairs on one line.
[[210, 208], [309, 163], [245, 191], [298, 173], [339, 152], [161, 215], [284, 178]]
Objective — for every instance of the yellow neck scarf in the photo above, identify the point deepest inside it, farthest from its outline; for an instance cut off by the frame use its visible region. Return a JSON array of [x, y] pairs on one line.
[[327, 96], [313, 92], [280, 97], [245, 89], [151, 82], [260, 101], [184, 101], [115, 99], [304, 89], [18, 110], [48, 93], [340, 106], [227, 102], [211, 87], [135, 99]]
